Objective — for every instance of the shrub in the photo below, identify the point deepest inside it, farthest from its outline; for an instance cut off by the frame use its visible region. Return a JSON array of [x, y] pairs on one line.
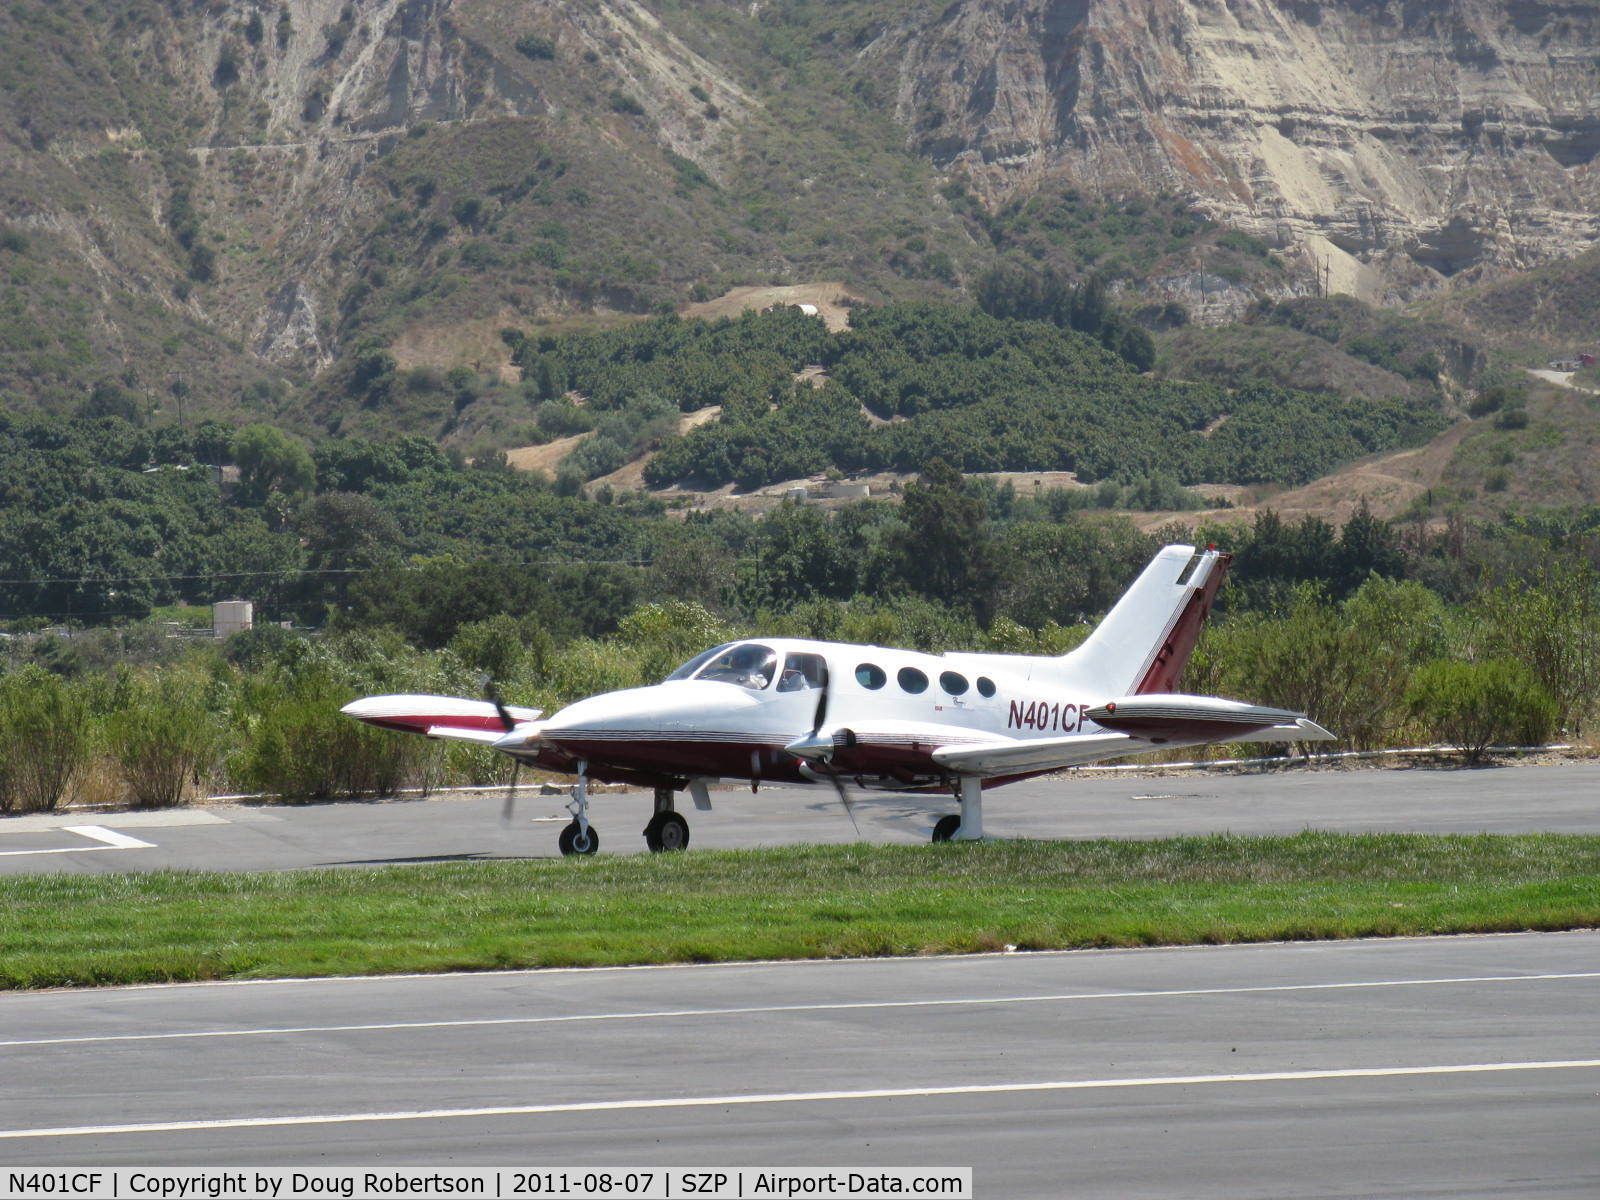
[[623, 103], [1473, 706], [45, 739], [535, 46], [297, 744], [166, 741]]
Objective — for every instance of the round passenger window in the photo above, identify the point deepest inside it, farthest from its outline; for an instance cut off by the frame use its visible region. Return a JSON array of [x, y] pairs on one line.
[[912, 680], [985, 686], [869, 676], [953, 683]]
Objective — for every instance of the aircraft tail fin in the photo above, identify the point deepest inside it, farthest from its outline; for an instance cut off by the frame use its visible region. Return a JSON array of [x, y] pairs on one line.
[[1144, 642]]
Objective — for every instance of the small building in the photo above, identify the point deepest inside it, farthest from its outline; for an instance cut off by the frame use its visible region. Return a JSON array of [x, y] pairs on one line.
[[843, 490], [229, 617]]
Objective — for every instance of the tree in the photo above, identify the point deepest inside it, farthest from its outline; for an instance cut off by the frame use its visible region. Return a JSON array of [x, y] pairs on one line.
[[271, 461], [802, 557], [945, 552]]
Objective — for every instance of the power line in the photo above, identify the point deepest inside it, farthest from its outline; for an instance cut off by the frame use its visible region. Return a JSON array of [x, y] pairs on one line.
[[289, 572]]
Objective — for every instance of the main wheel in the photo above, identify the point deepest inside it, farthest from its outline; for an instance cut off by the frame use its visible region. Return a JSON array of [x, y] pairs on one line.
[[574, 841], [946, 826], [666, 831]]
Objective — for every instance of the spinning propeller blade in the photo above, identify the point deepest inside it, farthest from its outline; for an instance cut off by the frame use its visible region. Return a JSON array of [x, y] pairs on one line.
[[833, 776], [511, 794], [492, 694]]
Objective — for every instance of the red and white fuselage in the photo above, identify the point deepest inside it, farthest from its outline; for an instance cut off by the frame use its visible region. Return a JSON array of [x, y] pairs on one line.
[[799, 711]]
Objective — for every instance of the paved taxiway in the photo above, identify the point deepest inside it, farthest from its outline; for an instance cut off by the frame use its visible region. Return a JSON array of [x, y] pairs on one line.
[[1434, 1067], [1562, 797]]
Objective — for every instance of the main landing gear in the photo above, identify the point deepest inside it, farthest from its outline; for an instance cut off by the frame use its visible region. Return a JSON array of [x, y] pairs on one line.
[[666, 830], [579, 837], [968, 826]]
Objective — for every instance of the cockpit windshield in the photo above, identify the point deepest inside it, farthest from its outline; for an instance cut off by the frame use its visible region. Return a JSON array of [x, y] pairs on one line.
[[698, 661], [749, 665]]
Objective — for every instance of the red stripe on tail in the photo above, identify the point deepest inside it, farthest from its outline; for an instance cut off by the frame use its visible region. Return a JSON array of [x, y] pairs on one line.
[[1173, 656]]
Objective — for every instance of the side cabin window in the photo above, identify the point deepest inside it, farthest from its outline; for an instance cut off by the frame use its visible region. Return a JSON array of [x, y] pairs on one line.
[[748, 665], [912, 680], [871, 676], [803, 673]]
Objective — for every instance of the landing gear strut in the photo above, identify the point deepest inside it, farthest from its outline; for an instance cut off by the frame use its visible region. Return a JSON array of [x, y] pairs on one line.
[[666, 830], [968, 827], [579, 837]]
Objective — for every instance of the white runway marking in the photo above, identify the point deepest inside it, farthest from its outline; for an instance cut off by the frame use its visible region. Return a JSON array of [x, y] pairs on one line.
[[756, 1010], [109, 839], [975, 1089]]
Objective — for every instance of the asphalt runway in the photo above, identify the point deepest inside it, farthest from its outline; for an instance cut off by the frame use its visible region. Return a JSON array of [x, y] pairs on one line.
[[1562, 797], [1420, 1068]]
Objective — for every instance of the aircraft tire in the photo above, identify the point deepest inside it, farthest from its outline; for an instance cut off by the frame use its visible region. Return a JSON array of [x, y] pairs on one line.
[[667, 831], [570, 840], [945, 827]]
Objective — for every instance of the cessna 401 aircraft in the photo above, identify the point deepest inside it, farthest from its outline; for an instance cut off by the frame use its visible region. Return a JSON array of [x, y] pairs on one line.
[[791, 711]]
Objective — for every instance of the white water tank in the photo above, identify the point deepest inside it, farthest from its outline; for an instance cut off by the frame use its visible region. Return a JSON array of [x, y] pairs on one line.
[[232, 616]]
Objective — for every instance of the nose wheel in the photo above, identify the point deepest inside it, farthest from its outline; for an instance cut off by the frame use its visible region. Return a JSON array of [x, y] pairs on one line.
[[579, 837], [577, 840]]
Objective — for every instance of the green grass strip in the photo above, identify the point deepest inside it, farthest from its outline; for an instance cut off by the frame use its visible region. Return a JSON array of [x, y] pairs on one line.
[[795, 902]]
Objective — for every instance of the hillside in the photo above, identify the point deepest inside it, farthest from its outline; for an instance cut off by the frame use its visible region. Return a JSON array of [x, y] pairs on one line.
[[377, 217], [304, 176], [1553, 311]]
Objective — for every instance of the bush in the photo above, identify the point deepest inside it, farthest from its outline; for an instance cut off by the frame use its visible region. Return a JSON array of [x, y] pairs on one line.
[[623, 103], [45, 739], [166, 741], [298, 745], [535, 46], [1473, 706]]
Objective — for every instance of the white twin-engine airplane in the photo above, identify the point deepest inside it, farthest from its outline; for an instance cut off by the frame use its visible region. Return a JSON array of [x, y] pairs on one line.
[[790, 711]]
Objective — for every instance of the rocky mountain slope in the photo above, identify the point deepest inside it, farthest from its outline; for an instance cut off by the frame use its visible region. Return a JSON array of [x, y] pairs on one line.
[[1390, 143], [224, 200]]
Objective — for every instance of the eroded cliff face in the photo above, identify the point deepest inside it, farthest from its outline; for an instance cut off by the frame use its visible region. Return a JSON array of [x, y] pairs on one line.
[[271, 123], [1393, 143]]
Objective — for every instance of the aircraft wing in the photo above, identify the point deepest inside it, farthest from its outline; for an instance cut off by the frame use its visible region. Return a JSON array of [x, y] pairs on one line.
[[1136, 724], [448, 718], [1003, 757], [453, 733]]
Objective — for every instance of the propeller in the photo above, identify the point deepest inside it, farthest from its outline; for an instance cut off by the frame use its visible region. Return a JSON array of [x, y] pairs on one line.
[[508, 723], [824, 764]]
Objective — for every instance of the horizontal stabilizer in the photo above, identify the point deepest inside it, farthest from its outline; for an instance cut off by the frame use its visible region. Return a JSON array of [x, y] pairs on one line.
[[452, 718], [1303, 730], [1176, 718]]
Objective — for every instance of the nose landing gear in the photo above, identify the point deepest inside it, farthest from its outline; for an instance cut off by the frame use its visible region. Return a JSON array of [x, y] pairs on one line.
[[666, 830], [579, 837]]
